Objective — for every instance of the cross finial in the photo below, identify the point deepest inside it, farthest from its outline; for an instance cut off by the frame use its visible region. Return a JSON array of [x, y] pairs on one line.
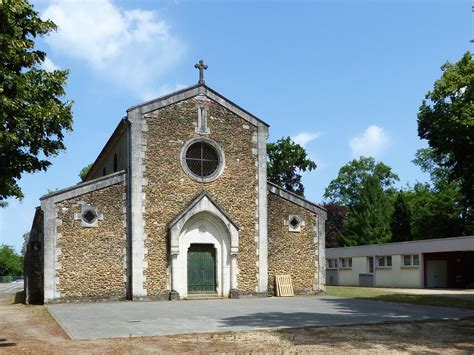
[[201, 66]]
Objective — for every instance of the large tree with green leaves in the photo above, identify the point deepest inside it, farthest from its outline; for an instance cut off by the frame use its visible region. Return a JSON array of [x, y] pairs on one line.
[[335, 224], [368, 221], [11, 264], [33, 113], [435, 212], [400, 223], [442, 203], [286, 160], [345, 188], [364, 187], [446, 121]]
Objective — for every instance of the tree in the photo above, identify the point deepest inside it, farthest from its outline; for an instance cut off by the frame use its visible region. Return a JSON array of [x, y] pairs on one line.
[[345, 187], [285, 160], [335, 224], [446, 121], [33, 117], [369, 215], [11, 264], [84, 171], [435, 213], [400, 223], [456, 216]]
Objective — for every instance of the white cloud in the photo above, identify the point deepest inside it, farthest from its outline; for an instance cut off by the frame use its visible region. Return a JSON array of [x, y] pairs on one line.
[[130, 47], [372, 143], [49, 65], [304, 138]]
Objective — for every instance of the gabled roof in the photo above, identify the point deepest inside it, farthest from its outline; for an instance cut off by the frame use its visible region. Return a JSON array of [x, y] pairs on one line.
[[203, 194], [296, 199], [192, 91]]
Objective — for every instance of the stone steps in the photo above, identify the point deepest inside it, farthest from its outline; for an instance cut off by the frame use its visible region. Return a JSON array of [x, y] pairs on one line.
[[204, 296]]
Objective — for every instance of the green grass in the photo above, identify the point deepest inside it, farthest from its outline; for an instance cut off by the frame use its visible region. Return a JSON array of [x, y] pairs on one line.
[[388, 296]]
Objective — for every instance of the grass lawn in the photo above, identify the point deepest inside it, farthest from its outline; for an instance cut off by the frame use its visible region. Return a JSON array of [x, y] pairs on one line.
[[389, 296]]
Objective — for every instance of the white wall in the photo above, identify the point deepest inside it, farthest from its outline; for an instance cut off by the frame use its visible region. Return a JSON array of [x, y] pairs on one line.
[[350, 277], [398, 275]]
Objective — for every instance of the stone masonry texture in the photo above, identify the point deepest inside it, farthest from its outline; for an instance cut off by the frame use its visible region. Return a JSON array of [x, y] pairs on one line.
[[169, 190], [92, 259], [291, 253]]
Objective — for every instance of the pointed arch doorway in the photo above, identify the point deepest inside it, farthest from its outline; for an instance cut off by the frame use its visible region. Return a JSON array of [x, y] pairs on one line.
[[204, 248]]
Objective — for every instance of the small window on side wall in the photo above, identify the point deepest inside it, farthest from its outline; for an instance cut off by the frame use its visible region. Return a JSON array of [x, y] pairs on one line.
[[104, 172], [294, 223], [115, 163]]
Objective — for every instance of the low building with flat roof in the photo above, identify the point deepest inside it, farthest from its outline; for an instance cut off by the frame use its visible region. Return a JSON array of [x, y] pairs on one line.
[[430, 263]]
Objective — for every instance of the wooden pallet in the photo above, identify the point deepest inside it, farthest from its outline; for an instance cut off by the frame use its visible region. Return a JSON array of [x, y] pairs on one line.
[[284, 286]]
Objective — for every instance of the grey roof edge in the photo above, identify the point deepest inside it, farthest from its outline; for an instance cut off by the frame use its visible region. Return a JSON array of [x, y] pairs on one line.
[[412, 246], [194, 202], [202, 88], [86, 186], [118, 132], [296, 199]]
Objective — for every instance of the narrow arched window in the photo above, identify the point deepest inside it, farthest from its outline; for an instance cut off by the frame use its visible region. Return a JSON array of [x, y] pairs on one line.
[[115, 163], [104, 172]]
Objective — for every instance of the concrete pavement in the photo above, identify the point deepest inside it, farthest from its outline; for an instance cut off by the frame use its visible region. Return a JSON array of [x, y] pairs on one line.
[[124, 319]]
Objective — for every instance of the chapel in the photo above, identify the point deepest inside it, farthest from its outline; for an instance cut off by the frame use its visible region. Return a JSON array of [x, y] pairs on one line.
[[176, 206]]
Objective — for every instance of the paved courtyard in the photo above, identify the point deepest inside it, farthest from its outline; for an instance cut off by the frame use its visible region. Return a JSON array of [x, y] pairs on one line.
[[124, 319]]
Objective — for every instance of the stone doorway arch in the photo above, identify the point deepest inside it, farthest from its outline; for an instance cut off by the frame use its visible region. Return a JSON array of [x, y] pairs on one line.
[[204, 222]]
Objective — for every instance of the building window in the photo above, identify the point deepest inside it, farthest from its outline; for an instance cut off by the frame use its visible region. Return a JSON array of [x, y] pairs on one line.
[[370, 264], [384, 261], [346, 263], [411, 260], [331, 263], [104, 172], [115, 163], [89, 216], [202, 159], [294, 223]]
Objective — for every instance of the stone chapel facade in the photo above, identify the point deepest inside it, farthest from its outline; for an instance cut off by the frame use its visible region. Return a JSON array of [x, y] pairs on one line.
[[176, 204]]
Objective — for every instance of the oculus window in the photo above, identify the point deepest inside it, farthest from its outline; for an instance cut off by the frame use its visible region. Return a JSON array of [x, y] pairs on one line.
[[202, 159]]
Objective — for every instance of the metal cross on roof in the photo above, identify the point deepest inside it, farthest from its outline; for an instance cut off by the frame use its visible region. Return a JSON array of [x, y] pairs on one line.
[[201, 66]]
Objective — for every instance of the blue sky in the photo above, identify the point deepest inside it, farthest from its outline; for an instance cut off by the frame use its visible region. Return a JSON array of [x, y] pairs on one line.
[[343, 78]]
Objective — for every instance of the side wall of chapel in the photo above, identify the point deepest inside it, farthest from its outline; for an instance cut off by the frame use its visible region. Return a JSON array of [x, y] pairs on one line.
[[169, 190], [292, 253], [91, 261]]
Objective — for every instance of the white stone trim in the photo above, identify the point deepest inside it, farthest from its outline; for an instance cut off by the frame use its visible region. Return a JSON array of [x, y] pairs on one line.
[[204, 204], [226, 244], [262, 136], [137, 151], [193, 91]]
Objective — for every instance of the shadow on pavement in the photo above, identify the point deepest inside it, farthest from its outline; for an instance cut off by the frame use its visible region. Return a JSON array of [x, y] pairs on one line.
[[4, 343]]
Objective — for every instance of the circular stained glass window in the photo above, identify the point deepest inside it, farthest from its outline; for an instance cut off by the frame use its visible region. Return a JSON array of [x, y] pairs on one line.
[[202, 159]]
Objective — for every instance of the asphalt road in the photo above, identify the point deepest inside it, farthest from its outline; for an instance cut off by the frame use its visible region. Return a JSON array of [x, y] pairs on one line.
[[12, 287], [124, 319]]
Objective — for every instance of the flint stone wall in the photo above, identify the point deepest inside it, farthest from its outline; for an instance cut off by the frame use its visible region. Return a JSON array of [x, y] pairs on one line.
[[92, 259], [169, 190], [291, 253]]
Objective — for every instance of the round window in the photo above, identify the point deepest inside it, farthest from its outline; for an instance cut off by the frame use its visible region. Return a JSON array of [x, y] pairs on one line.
[[202, 159]]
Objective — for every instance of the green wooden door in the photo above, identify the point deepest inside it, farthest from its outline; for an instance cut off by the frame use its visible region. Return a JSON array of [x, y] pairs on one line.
[[201, 268]]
